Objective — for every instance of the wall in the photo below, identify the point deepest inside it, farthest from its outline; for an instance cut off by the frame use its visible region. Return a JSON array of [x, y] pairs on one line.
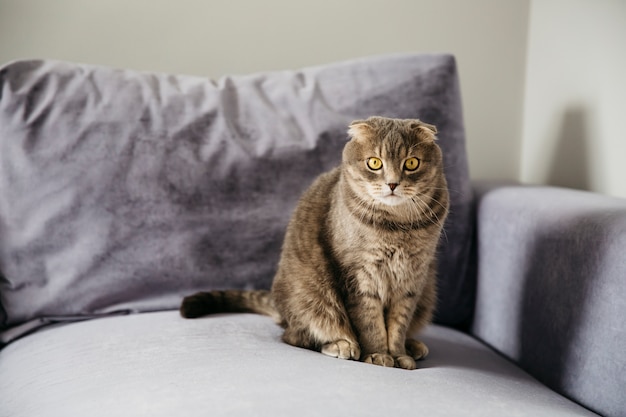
[[574, 133], [240, 36]]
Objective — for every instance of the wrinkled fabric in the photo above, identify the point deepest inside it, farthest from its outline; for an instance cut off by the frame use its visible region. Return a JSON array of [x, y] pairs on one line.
[[123, 191]]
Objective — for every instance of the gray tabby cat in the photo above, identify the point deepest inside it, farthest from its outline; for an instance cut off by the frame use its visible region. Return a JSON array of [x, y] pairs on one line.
[[357, 269]]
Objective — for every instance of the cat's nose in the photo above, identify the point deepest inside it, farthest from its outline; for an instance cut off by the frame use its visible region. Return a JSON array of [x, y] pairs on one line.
[[392, 185]]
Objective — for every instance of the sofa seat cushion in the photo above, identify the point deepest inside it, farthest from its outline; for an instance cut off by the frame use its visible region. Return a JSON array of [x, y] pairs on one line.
[[158, 364]]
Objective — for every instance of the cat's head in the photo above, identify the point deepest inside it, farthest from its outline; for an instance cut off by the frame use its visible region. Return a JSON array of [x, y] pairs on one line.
[[392, 161]]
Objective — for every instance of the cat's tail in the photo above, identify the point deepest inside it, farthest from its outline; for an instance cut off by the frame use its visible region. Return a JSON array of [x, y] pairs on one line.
[[229, 301]]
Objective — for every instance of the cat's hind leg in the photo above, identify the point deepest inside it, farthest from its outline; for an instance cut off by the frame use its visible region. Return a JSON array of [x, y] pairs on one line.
[[342, 348], [314, 316]]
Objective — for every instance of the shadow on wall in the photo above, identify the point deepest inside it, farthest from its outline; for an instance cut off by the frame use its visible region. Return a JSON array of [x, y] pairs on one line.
[[570, 164]]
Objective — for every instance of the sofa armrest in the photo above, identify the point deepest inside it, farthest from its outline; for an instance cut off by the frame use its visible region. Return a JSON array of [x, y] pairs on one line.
[[551, 288]]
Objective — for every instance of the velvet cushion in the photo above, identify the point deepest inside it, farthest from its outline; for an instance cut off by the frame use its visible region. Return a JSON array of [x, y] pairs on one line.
[[123, 191]]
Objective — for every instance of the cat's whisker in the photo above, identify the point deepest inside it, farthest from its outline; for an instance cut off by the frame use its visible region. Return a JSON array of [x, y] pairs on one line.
[[418, 199], [438, 220], [432, 212], [434, 199], [418, 204]]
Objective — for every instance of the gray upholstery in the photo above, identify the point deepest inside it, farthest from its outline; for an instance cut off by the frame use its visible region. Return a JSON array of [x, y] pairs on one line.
[[120, 192], [552, 288], [157, 364]]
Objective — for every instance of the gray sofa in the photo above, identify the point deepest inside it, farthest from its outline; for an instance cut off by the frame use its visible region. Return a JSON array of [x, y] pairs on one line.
[[121, 192]]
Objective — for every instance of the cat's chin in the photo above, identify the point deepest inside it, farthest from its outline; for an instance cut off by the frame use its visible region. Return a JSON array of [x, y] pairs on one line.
[[392, 200]]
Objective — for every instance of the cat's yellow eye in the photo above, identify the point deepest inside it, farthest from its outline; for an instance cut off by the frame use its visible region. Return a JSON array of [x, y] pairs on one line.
[[411, 164], [374, 163]]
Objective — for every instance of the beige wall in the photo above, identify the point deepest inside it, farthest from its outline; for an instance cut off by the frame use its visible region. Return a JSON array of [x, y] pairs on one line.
[[214, 37], [575, 100], [543, 81]]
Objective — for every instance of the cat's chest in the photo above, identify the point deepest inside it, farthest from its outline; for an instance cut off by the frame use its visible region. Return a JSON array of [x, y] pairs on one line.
[[394, 255], [392, 262], [389, 260], [385, 270]]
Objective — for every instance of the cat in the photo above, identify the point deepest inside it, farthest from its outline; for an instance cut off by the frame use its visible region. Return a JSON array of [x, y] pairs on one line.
[[357, 271]]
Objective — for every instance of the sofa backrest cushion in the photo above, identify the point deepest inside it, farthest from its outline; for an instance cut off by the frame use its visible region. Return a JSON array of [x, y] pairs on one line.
[[123, 191]]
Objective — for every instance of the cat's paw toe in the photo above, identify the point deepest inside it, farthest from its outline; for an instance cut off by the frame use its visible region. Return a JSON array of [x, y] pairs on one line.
[[380, 359], [405, 362], [342, 349], [416, 349]]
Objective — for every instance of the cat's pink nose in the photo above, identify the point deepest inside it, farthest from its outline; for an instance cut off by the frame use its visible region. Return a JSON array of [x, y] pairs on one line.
[[392, 185]]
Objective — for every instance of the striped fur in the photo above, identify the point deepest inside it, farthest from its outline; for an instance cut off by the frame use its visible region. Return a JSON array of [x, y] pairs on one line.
[[357, 269]]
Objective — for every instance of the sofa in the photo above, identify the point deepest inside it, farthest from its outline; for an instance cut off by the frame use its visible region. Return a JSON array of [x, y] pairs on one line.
[[121, 192]]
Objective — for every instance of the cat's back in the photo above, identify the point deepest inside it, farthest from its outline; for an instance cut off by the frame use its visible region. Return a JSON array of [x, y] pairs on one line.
[[305, 247], [314, 205]]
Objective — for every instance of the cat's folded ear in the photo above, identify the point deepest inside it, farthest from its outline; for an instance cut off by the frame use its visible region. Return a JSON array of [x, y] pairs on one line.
[[424, 128], [359, 128]]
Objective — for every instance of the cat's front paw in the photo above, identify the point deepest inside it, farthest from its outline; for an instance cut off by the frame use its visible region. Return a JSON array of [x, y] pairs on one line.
[[416, 349], [380, 359], [342, 349], [405, 362]]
